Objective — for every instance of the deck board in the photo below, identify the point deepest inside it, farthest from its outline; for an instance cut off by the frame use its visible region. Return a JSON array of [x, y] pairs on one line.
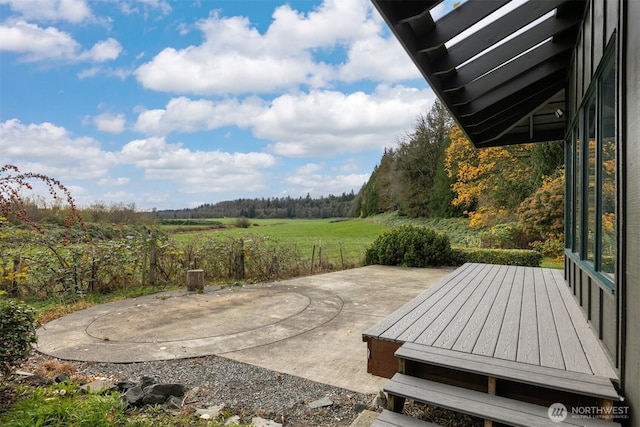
[[528, 342], [518, 314], [488, 338], [507, 345], [420, 321], [573, 353], [549, 343], [402, 318], [446, 315], [471, 314]]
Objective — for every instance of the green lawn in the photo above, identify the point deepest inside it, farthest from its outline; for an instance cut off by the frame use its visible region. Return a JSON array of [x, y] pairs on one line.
[[336, 240]]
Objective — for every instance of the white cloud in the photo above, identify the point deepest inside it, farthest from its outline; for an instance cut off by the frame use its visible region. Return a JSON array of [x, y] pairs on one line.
[[114, 182], [105, 50], [233, 59], [199, 171], [333, 22], [160, 5], [329, 122], [50, 149], [236, 58], [35, 43], [145, 6], [310, 179], [89, 72], [111, 123], [185, 115], [378, 59], [51, 10], [319, 123]]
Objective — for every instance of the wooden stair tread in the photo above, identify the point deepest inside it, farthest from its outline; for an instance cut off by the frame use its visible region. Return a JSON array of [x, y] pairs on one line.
[[559, 379], [394, 419], [483, 405]]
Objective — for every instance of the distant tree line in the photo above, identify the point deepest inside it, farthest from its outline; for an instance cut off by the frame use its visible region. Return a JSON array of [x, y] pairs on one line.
[[277, 207]]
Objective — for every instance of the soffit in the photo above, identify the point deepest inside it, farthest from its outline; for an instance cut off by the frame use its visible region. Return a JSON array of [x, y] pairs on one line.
[[500, 66]]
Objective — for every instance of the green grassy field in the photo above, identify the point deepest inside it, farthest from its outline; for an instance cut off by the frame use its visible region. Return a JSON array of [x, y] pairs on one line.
[[343, 241], [339, 241]]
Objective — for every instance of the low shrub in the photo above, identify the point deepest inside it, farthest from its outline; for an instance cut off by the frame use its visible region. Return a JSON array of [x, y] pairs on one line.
[[243, 222], [522, 257], [411, 246], [17, 333]]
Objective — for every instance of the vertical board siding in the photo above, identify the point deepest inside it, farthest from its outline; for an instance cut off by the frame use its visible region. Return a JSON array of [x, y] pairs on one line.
[[631, 153], [599, 39], [609, 329], [612, 12], [587, 60], [598, 307], [579, 75]]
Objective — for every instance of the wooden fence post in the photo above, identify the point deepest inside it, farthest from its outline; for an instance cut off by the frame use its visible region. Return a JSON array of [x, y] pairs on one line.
[[313, 255], [152, 259], [240, 262], [195, 280], [13, 291]]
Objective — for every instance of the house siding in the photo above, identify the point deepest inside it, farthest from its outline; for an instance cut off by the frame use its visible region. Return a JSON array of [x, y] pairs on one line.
[[600, 305], [631, 263], [615, 315]]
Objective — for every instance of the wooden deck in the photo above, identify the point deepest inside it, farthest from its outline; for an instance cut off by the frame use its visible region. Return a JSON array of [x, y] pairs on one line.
[[517, 314]]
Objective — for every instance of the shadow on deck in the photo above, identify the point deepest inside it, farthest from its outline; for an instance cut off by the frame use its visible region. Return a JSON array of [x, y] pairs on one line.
[[499, 342]]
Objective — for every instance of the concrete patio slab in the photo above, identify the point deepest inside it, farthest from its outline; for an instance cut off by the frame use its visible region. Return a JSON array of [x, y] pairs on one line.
[[309, 326]]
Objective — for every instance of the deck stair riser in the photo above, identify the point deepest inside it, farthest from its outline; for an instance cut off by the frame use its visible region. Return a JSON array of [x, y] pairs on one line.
[[569, 387], [394, 419], [475, 403]]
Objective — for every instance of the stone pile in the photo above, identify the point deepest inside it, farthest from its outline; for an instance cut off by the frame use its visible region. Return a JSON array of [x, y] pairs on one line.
[[150, 391]]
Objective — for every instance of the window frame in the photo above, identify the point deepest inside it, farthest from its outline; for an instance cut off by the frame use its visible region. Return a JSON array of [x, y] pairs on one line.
[[577, 179]]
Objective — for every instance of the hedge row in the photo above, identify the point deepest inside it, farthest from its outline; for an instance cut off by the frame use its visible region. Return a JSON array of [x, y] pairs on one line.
[[522, 257], [413, 246]]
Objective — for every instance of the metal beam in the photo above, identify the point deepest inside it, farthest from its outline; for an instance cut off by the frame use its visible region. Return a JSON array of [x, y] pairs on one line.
[[511, 111], [522, 138], [508, 123], [505, 52], [508, 72], [528, 81], [501, 28], [458, 20], [470, 116], [401, 11]]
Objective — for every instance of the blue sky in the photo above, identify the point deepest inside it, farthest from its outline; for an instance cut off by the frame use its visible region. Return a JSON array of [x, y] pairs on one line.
[[171, 104]]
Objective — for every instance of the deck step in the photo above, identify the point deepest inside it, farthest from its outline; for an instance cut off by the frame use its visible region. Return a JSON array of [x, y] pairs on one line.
[[478, 404], [541, 376], [393, 419]]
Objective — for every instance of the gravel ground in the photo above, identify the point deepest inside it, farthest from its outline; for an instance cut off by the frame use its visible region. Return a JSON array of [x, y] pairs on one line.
[[245, 390]]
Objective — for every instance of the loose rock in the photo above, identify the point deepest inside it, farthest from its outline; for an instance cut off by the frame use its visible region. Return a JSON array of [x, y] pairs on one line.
[[261, 422], [321, 403]]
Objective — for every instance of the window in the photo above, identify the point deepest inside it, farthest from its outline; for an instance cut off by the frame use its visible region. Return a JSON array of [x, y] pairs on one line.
[[607, 224], [590, 171], [577, 174], [591, 179]]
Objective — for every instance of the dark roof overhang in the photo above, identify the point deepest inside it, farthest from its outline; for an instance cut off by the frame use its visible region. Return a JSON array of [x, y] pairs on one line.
[[500, 66]]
